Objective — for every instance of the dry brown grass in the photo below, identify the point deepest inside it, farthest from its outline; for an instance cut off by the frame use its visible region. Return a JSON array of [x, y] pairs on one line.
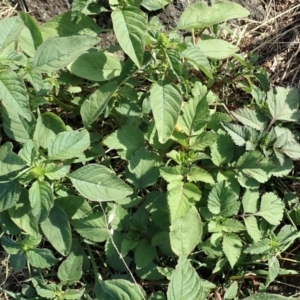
[[276, 39], [7, 9]]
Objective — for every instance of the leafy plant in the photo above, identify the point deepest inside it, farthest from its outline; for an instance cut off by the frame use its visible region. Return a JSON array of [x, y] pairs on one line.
[[131, 169]]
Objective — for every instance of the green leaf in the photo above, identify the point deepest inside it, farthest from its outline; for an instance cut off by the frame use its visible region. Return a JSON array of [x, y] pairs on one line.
[[216, 48], [95, 104], [144, 253], [231, 225], [283, 104], [17, 261], [15, 126], [57, 230], [232, 246], [250, 199], [195, 115], [181, 197], [290, 148], [273, 269], [200, 15], [73, 294], [118, 289], [153, 5], [174, 61], [76, 207], [47, 127], [70, 269], [92, 226], [10, 28], [198, 60], [172, 173], [128, 138], [260, 247], [203, 140], [237, 133], [31, 35], [165, 101], [252, 228], [10, 246], [14, 95], [142, 168], [22, 215], [253, 165], [186, 233], [185, 282], [44, 290], [63, 25], [130, 25], [222, 199], [250, 118], [231, 292], [98, 183], [35, 79], [271, 208], [198, 174], [29, 153], [41, 258], [222, 150], [9, 194], [69, 144], [96, 65], [55, 53], [9, 161], [41, 199], [55, 171]]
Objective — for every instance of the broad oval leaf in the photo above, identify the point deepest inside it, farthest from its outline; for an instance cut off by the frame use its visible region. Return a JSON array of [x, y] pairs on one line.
[[69, 144], [250, 118], [283, 104], [165, 101], [128, 138], [94, 105], [57, 230], [200, 15], [9, 30], [185, 282], [9, 194], [195, 115], [15, 126], [130, 26], [271, 208], [118, 289], [98, 183], [48, 125], [70, 269], [41, 199], [31, 36], [181, 197], [9, 161], [91, 226], [216, 48], [232, 247], [14, 95], [55, 53], [22, 215], [198, 60], [186, 233], [41, 258], [96, 65], [64, 25]]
